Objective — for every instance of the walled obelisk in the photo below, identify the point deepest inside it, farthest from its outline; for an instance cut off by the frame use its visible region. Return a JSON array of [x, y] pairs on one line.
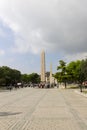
[[43, 79]]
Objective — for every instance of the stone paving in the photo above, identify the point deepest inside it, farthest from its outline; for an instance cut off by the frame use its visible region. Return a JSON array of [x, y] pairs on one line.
[[42, 109]]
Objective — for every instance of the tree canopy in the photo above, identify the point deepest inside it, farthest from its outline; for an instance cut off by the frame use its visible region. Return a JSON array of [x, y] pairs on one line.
[[9, 76], [12, 76], [33, 78], [75, 71]]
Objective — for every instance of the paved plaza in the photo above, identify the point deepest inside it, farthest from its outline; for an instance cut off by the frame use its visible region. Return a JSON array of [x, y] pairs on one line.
[[42, 109]]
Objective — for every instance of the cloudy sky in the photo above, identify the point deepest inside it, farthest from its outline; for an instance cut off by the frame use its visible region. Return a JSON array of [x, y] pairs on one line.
[[29, 26]]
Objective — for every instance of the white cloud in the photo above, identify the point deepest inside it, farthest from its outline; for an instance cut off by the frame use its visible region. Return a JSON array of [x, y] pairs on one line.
[[55, 25], [2, 52], [78, 56], [2, 33]]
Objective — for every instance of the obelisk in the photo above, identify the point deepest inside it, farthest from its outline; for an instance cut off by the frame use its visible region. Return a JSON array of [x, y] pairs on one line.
[[43, 79]]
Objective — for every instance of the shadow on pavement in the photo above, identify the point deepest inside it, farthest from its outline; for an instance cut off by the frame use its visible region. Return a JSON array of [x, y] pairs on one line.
[[9, 113]]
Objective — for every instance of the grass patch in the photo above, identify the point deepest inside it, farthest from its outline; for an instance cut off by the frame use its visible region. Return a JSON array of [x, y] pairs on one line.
[[72, 87], [84, 91]]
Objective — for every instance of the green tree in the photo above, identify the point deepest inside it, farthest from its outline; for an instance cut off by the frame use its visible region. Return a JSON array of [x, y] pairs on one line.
[[25, 78], [62, 74], [9, 76], [83, 71], [34, 78], [73, 69]]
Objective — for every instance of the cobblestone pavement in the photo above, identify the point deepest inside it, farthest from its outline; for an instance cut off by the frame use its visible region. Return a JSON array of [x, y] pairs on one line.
[[42, 109]]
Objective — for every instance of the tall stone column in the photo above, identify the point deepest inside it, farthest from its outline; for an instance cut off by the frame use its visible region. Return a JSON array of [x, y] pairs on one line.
[[43, 79]]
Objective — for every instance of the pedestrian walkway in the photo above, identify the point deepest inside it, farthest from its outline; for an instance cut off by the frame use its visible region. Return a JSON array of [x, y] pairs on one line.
[[42, 109]]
